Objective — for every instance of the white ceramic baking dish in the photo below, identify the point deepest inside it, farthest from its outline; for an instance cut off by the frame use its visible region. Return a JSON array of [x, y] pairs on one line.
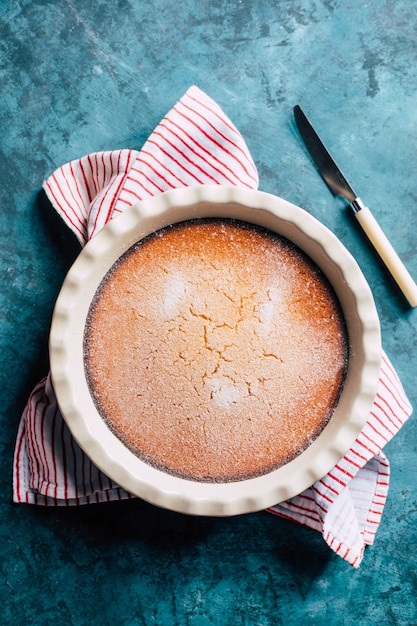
[[109, 453]]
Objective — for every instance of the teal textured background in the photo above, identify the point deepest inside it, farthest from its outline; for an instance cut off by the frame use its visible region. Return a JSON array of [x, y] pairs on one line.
[[78, 76]]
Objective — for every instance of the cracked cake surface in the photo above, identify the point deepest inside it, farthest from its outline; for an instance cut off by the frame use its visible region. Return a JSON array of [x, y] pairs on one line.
[[215, 350]]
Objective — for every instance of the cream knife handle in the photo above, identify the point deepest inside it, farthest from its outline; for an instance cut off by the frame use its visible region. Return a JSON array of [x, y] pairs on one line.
[[385, 250]]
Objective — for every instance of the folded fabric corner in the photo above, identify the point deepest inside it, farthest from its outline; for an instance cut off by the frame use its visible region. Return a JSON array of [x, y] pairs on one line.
[[346, 505]]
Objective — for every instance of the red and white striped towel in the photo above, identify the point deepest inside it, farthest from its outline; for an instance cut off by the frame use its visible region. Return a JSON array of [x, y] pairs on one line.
[[194, 144]]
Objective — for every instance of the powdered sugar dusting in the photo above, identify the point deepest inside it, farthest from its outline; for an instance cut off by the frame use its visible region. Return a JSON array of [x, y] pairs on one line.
[[269, 309], [174, 292], [215, 350], [225, 392]]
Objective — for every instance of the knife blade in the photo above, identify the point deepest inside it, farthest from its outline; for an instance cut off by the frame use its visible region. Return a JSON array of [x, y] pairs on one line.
[[339, 186]]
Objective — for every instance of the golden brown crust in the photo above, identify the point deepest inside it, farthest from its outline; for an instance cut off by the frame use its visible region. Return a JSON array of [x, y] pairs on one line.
[[215, 350]]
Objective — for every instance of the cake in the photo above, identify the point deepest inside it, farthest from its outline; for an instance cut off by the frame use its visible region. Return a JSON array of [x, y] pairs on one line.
[[215, 350]]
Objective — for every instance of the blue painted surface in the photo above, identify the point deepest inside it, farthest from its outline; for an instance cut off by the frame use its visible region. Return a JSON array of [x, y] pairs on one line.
[[79, 76]]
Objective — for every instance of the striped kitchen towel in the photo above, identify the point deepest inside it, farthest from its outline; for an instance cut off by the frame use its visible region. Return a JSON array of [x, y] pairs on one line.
[[194, 144]]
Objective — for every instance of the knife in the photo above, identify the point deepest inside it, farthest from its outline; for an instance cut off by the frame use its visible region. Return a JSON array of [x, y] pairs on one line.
[[339, 186]]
